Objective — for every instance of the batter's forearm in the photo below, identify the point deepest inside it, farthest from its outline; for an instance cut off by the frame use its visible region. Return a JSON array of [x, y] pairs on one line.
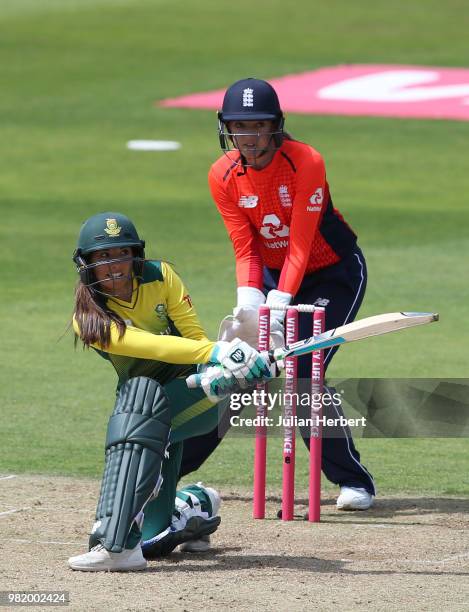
[[168, 349]]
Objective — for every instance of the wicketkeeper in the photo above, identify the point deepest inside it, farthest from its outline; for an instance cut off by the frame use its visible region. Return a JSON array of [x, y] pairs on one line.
[[292, 246]]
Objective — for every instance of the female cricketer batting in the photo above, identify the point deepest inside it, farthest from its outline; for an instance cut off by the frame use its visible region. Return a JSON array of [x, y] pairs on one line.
[[138, 315], [291, 247]]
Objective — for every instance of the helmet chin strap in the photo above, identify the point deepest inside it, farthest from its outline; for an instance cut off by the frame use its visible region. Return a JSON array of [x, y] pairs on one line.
[[241, 161], [263, 152], [259, 153], [115, 297], [95, 287]]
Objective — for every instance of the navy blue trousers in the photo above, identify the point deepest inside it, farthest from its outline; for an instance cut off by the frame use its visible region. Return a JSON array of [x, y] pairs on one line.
[[340, 289]]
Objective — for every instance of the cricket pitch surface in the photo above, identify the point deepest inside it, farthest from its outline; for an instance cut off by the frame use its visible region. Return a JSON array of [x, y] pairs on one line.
[[406, 553]]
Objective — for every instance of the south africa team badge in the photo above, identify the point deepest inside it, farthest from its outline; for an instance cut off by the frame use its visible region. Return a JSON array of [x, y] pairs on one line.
[[161, 312], [113, 228]]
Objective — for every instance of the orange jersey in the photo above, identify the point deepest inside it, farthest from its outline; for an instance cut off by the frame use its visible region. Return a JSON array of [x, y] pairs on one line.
[[281, 216]]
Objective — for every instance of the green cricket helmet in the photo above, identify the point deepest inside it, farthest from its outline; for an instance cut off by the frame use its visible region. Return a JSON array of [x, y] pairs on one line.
[[106, 231]]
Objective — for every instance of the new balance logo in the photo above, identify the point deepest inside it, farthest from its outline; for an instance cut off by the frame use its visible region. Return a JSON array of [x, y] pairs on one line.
[[248, 97], [321, 302], [248, 201]]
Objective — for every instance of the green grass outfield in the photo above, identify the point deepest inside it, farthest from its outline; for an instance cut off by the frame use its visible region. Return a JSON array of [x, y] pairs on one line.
[[79, 79]]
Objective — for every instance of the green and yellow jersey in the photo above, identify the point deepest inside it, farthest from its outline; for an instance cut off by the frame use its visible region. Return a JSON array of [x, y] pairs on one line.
[[163, 335]]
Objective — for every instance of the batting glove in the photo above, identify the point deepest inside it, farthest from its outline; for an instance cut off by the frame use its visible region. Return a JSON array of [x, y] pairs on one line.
[[245, 363], [217, 382]]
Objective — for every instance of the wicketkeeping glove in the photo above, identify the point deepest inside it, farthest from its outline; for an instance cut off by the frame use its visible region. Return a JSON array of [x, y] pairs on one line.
[[277, 317], [245, 363], [241, 324]]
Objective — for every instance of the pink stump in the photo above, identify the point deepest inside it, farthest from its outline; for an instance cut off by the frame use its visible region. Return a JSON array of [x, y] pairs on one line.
[[315, 440], [260, 448], [289, 413]]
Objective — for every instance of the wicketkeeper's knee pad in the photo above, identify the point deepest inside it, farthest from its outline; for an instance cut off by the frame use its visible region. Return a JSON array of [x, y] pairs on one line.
[[137, 438]]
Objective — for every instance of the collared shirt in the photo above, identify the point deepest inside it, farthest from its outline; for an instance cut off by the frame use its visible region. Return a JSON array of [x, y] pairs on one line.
[[281, 216], [163, 334]]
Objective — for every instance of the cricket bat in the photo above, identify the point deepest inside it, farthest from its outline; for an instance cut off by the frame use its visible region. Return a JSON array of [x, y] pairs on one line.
[[357, 330]]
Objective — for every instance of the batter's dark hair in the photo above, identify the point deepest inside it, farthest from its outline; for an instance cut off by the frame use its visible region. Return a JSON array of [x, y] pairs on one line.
[[94, 319]]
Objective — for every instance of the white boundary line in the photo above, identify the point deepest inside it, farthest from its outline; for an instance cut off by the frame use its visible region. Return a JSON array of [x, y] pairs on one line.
[[14, 510], [8, 477], [447, 560]]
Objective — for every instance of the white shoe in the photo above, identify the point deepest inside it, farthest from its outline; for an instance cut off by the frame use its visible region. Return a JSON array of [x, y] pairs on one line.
[[202, 544], [191, 522], [215, 499], [98, 559], [196, 546], [354, 498]]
